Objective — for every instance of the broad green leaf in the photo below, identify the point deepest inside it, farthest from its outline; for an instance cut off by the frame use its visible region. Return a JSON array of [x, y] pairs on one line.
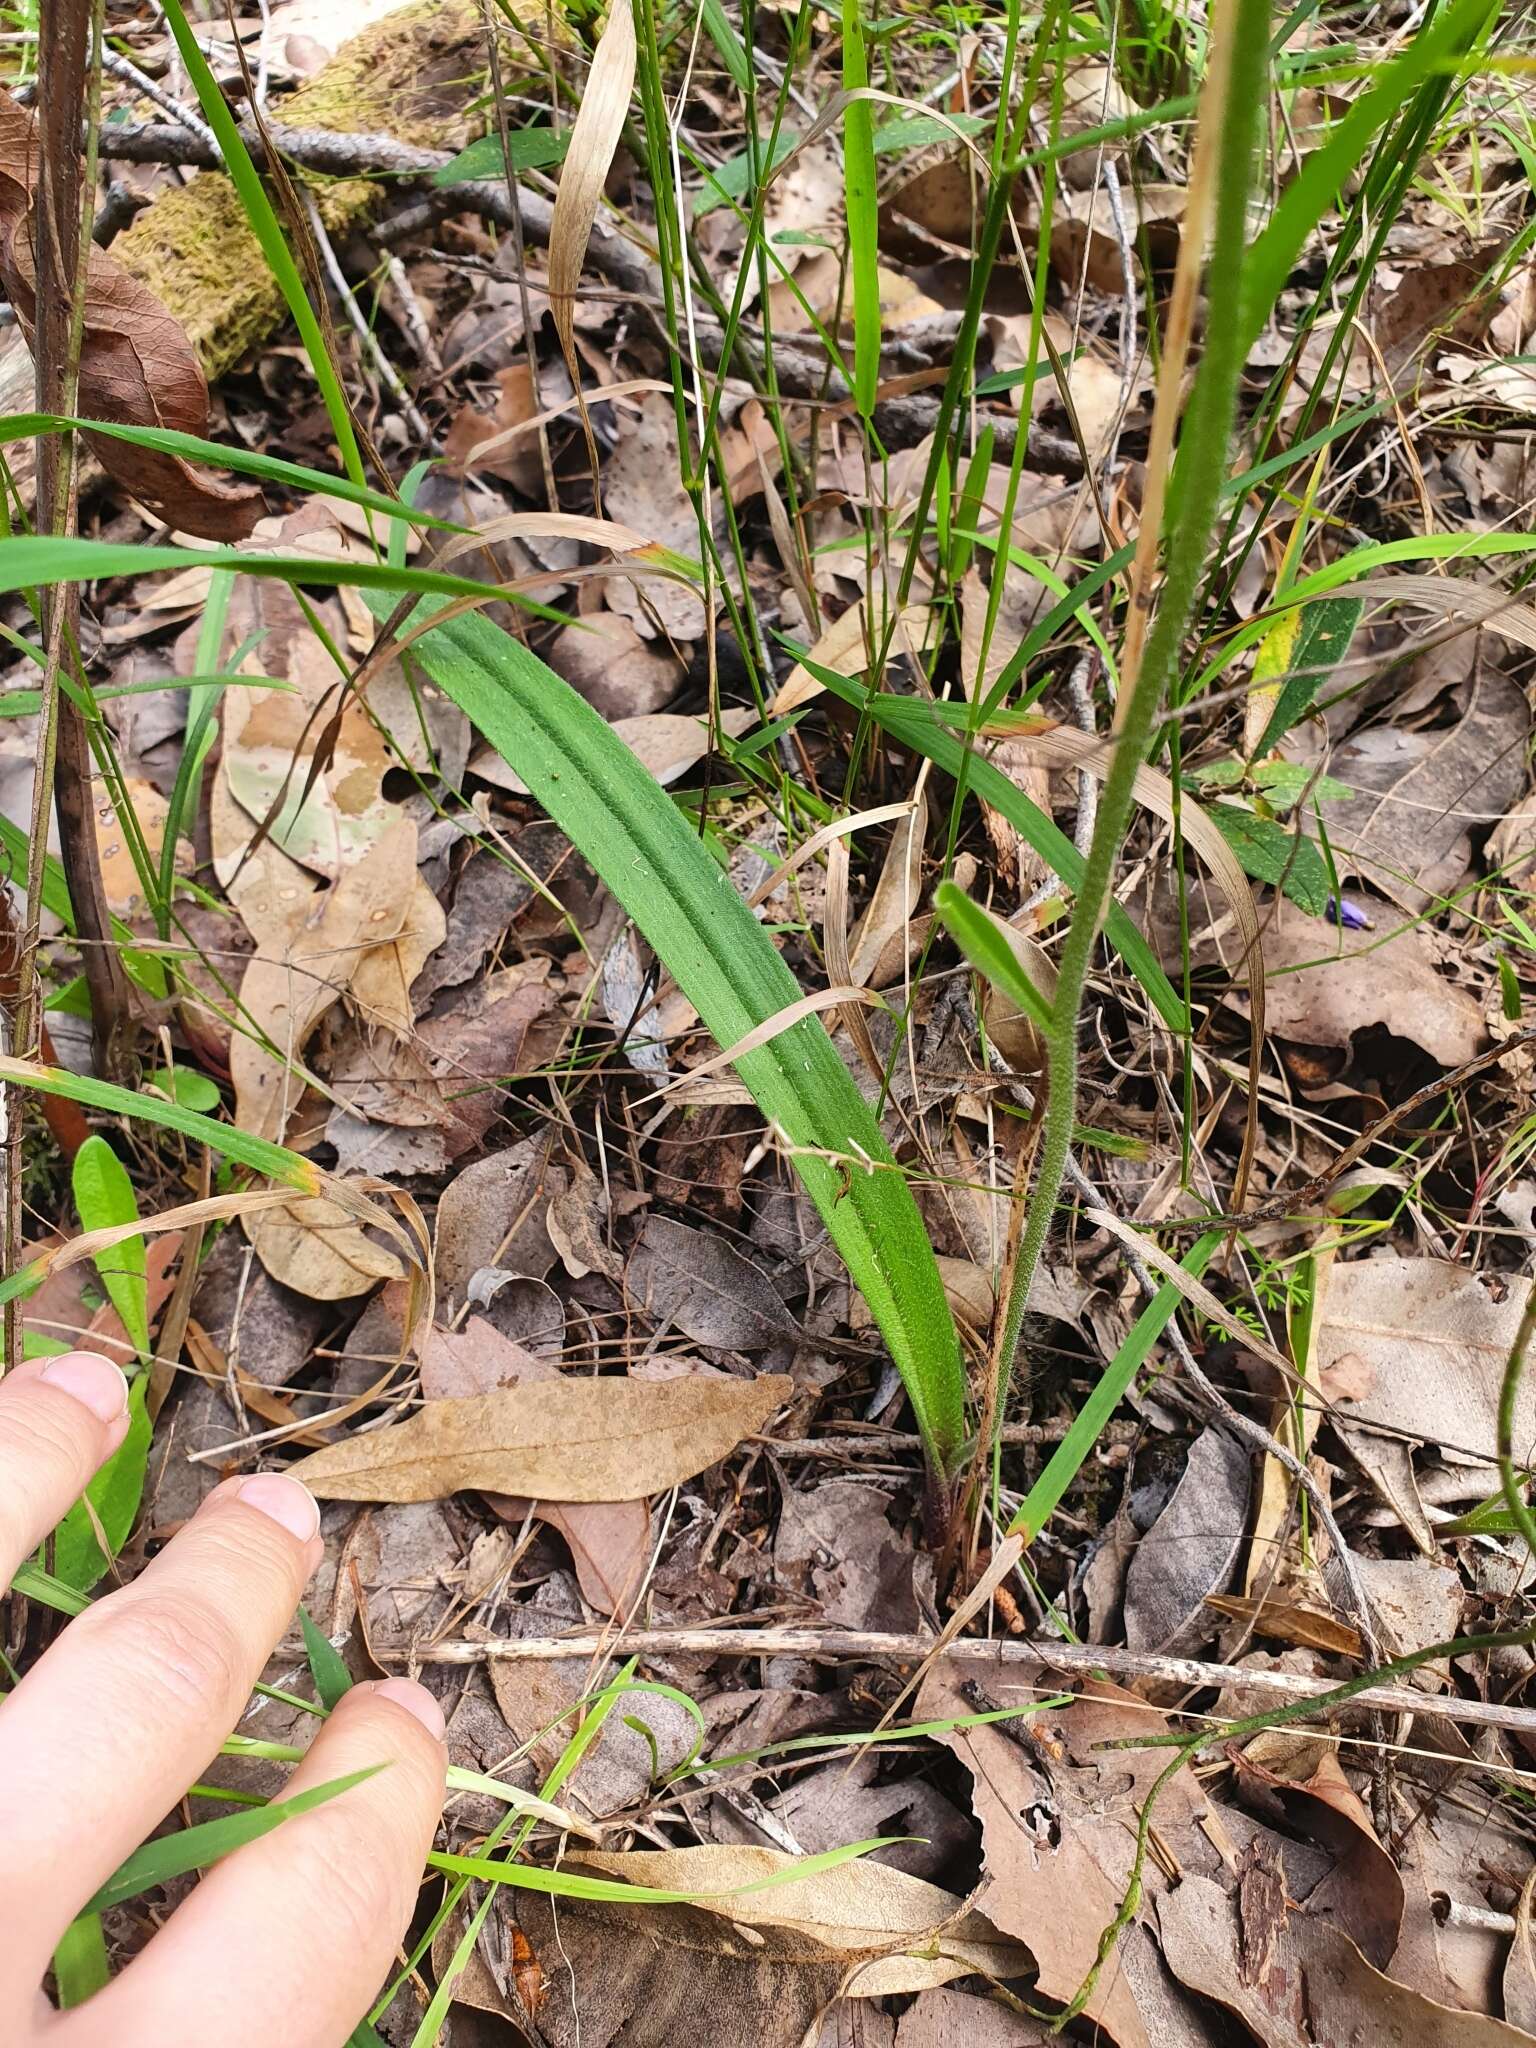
[[620, 820], [983, 944], [728, 183], [105, 1199], [1316, 641], [528, 149], [188, 1086], [115, 1494], [1282, 855], [332, 1678], [197, 1847], [918, 131]]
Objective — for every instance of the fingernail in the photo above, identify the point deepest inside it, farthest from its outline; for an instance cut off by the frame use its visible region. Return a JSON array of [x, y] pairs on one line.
[[92, 1380], [416, 1700], [287, 1503]]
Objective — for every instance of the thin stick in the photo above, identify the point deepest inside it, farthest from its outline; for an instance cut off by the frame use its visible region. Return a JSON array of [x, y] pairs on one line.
[[1068, 1660]]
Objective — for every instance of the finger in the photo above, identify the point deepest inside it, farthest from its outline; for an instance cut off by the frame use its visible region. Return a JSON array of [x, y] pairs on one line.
[[60, 1420], [291, 1938], [106, 1732]]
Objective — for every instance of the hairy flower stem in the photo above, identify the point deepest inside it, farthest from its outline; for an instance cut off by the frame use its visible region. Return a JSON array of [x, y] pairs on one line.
[[1220, 183]]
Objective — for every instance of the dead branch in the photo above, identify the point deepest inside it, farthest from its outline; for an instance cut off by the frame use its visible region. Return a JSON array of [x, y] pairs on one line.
[[1066, 1660]]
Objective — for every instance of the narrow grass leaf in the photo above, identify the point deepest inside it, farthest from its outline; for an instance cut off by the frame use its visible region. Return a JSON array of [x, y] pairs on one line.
[[80, 1967], [197, 1847], [1069, 1456], [268, 231], [913, 723], [980, 936], [274, 1161], [863, 211], [569, 1884], [1315, 188], [594, 138]]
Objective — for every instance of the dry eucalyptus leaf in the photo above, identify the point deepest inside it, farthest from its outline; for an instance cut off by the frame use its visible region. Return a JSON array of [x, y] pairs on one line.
[[1419, 796], [1191, 1549], [137, 367], [897, 1933], [705, 1288], [1304, 1983], [1427, 1344], [1058, 1822], [285, 992], [317, 1248], [1322, 986], [844, 648], [576, 1440]]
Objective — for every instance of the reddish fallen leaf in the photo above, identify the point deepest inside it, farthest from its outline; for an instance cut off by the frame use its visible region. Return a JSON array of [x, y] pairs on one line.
[[137, 367]]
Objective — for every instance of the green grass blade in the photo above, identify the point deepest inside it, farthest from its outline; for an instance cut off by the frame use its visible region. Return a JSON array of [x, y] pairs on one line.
[[33, 1583], [1067, 1460], [332, 1678], [621, 821], [275, 1161], [80, 1961], [913, 723], [294, 476], [570, 1884], [268, 231], [1315, 188], [196, 1847], [863, 212], [104, 1198]]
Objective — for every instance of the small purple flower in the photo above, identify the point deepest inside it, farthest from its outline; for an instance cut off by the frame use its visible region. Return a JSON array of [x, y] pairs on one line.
[[1347, 915]]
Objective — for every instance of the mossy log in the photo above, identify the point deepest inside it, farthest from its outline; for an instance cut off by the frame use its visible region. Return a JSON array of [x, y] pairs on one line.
[[411, 76]]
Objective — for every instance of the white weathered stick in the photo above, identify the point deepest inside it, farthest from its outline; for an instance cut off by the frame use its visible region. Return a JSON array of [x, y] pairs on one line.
[[1067, 1660]]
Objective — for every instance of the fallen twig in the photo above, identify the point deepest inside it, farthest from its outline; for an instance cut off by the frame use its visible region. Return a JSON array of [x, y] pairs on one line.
[[1069, 1660]]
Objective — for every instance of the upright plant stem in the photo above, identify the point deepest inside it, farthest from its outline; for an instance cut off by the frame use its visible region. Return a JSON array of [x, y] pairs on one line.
[[64, 751], [1219, 187]]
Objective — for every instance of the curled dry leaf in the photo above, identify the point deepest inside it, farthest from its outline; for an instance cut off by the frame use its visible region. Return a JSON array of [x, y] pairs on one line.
[[1303, 1982], [595, 137], [899, 1933], [137, 367], [575, 1440], [845, 648]]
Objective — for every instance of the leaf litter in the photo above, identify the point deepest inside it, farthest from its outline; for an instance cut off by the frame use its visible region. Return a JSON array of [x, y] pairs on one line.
[[647, 1397]]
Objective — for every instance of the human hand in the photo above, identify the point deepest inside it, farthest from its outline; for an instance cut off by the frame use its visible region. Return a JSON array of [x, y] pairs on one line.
[[290, 1938]]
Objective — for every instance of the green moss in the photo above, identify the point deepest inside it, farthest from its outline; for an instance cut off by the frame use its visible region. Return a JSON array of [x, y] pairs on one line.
[[409, 76]]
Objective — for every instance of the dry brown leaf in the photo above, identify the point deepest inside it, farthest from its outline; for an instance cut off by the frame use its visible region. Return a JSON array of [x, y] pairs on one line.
[[137, 367], [844, 649], [517, 458], [1306, 1983], [578, 1440], [284, 994], [1059, 1822], [897, 1933], [599, 120], [668, 743], [1420, 796], [1427, 1344], [1191, 1549], [317, 1248], [609, 1541]]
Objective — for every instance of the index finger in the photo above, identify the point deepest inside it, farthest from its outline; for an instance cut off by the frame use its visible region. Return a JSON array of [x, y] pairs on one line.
[[106, 1732], [60, 1420]]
